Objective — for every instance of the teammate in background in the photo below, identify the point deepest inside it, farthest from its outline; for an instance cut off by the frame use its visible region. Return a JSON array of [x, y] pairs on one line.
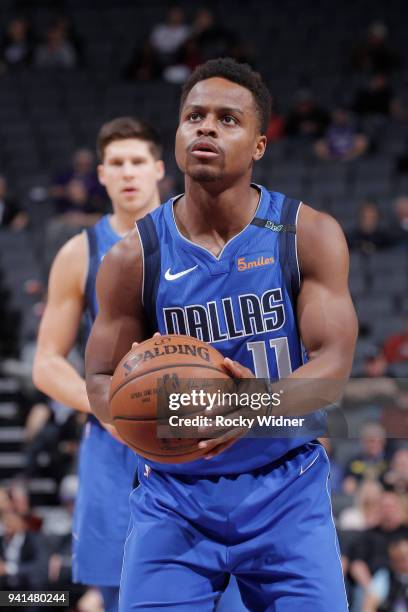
[[130, 168], [255, 508]]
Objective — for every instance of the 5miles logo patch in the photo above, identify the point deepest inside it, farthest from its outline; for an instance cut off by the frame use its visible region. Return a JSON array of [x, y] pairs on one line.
[[254, 261]]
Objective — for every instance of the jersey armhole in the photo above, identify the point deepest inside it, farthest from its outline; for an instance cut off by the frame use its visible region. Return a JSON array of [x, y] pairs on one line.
[[151, 269], [84, 280], [288, 247], [143, 262], [93, 265], [299, 271]]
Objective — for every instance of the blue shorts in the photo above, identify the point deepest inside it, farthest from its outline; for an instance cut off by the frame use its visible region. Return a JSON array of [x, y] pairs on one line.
[[272, 528], [101, 519]]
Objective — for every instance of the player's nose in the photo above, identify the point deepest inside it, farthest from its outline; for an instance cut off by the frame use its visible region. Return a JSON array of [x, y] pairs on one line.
[[128, 169], [207, 127]]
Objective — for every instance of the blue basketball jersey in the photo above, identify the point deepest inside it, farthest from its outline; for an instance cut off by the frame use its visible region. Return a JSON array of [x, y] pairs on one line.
[[106, 467], [242, 301]]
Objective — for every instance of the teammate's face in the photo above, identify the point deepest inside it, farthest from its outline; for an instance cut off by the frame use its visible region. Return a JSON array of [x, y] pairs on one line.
[[218, 136], [130, 174]]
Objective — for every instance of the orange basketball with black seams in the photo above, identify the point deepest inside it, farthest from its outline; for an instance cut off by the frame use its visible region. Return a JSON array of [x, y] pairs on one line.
[[142, 383]]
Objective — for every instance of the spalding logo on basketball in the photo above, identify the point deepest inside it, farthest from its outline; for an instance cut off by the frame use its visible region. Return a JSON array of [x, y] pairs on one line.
[[142, 383]]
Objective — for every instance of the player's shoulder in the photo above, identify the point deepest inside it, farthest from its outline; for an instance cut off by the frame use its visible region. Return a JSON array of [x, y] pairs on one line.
[[315, 224], [319, 237], [121, 273], [125, 257], [75, 248], [71, 262]]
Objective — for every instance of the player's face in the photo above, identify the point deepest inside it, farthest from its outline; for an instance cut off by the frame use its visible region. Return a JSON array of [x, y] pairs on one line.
[[130, 174], [218, 136]]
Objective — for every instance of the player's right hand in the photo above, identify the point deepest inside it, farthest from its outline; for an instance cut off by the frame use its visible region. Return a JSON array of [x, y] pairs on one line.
[[155, 335]]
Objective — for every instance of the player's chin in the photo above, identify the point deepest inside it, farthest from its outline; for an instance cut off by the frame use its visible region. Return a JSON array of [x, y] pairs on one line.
[[203, 174], [131, 202]]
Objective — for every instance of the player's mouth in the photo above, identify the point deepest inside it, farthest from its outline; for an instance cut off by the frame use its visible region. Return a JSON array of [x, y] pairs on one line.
[[204, 149], [130, 190]]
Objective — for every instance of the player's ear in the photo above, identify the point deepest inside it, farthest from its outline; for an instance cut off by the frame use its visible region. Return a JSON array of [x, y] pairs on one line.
[[260, 146], [101, 174], [160, 169]]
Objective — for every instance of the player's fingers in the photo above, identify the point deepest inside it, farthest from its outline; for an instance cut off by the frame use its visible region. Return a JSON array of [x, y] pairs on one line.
[[213, 431], [211, 443], [215, 447], [155, 335], [220, 449], [236, 369]]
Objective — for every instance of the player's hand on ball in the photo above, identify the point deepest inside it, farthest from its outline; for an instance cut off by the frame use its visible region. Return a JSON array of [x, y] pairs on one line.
[[215, 446], [155, 335], [237, 370]]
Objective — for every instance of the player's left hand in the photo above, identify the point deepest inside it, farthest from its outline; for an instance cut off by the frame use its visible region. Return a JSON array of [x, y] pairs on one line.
[[215, 446]]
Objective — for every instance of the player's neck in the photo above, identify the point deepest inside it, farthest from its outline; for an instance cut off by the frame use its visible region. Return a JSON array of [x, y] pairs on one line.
[[122, 221], [203, 210]]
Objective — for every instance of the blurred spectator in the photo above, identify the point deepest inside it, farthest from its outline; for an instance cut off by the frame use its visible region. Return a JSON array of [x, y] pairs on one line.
[[16, 47], [369, 236], [342, 140], [166, 38], [212, 39], [276, 127], [376, 98], [374, 54], [307, 119], [208, 40], [6, 504], [388, 589], [401, 214], [375, 364], [394, 418], [60, 560], [397, 475], [56, 51], [370, 462], [369, 552], [22, 554], [70, 34], [11, 214], [52, 450], [143, 65], [364, 513], [77, 190], [396, 346]]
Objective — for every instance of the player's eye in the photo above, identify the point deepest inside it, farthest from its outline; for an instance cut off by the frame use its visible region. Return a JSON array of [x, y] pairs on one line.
[[194, 117], [229, 120]]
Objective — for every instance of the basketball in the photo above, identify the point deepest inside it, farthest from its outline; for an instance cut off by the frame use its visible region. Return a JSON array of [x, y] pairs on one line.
[[141, 385]]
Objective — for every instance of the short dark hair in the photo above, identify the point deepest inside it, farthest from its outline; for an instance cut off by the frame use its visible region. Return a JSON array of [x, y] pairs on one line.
[[122, 128], [242, 74]]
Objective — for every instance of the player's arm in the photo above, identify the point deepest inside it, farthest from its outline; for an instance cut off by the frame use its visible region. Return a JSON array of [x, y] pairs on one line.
[[120, 320], [326, 315], [52, 372]]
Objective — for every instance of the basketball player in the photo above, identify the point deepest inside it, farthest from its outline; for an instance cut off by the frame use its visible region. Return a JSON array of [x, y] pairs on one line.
[[130, 168], [255, 508]]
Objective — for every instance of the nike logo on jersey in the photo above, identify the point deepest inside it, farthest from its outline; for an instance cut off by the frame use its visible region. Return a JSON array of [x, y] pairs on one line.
[[171, 277], [304, 469]]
